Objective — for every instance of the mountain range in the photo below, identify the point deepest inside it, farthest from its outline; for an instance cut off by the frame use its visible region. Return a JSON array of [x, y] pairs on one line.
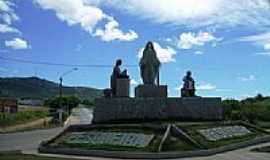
[[38, 88]]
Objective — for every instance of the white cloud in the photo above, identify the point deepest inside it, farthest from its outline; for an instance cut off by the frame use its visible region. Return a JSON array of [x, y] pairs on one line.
[[83, 13], [7, 16], [4, 28], [4, 6], [112, 32], [189, 39], [224, 90], [195, 13], [165, 55], [134, 82], [17, 43], [198, 53], [206, 86], [202, 86], [263, 53], [267, 46], [246, 79], [74, 12], [262, 39]]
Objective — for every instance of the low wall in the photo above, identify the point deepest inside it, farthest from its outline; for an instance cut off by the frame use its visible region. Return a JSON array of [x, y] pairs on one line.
[[144, 109]]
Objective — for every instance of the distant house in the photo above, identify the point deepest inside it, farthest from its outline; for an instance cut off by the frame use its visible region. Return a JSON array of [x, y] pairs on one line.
[[31, 102], [8, 105]]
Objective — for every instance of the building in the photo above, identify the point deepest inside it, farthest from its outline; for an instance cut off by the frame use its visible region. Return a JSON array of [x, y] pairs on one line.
[[31, 102], [8, 105]]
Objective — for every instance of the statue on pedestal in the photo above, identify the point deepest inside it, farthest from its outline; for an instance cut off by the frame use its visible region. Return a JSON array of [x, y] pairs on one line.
[[188, 89], [149, 65], [117, 74]]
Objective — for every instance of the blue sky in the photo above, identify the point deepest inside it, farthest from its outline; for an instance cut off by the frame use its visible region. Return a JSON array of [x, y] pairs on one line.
[[225, 43]]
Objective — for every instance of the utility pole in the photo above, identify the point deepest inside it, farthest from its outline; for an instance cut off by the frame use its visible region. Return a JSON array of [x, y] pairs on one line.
[[61, 87]]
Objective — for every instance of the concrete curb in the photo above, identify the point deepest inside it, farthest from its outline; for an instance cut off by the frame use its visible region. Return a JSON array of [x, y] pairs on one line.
[[144, 155]]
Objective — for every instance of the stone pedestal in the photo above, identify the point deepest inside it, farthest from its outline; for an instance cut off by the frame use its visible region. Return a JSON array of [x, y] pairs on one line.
[[144, 91], [156, 109], [122, 87]]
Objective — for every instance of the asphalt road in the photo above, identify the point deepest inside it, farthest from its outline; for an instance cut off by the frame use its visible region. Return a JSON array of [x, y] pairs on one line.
[[80, 115], [30, 140], [26, 140]]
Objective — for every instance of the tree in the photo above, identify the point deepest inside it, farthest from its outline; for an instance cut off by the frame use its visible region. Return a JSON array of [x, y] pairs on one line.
[[67, 103]]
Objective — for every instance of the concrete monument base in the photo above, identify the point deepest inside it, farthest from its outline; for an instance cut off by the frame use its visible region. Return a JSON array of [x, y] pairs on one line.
[[148, 109], [122, 87], [151, 91]]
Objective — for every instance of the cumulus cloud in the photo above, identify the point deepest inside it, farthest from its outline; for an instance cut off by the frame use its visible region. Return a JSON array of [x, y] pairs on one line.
[[83, 13], [7, 16], [189, 39], [112, 32], [17, 43], [219, 13], [4, 28], [165, 55], [74, 12]]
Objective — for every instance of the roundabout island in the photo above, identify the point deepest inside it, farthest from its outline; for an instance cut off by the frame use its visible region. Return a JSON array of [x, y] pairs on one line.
[[152, 125]]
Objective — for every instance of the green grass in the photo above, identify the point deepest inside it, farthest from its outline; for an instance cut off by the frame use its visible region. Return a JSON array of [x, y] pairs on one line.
[[21, 117], [173, 143], [176, 144], [17, 155]]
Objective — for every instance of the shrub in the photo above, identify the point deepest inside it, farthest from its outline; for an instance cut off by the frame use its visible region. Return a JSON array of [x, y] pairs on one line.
[[250, 110]]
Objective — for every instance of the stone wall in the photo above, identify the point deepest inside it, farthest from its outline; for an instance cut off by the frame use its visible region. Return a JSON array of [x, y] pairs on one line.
[[145, 109]]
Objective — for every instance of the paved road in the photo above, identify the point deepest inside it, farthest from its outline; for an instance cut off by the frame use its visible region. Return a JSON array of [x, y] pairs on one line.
[[241, 154], [26, 140], [80, 115], [30, 140]]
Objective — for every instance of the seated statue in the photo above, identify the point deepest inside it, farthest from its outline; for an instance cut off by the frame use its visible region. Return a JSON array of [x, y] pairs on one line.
[[117, 74], [188, 89]]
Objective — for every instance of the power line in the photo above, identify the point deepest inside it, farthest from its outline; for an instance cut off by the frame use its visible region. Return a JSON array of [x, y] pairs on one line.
[[59, 64]]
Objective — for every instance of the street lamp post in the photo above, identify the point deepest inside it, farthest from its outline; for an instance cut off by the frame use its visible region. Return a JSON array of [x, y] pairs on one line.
[[61, 80], [60, 110]]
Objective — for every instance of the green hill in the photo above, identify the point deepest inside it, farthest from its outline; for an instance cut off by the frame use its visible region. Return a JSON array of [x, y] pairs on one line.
[[36, 88]]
